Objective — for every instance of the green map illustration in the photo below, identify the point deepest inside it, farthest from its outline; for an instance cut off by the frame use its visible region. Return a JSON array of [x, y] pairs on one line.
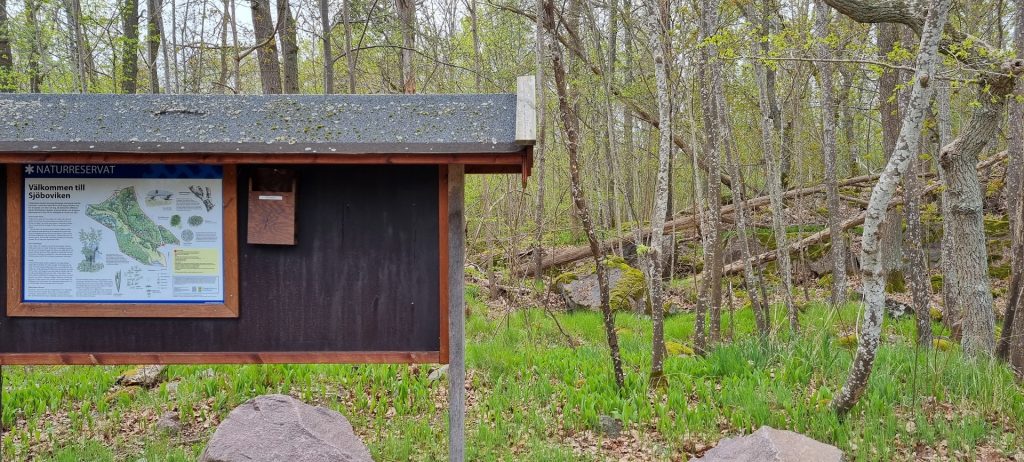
[[137, 235]]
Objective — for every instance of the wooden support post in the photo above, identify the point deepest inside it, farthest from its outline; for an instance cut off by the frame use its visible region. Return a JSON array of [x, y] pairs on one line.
[[526, 110], [456, 314]]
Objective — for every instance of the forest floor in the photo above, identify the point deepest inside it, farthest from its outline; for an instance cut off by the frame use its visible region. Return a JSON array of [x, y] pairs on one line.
[[535, 394]]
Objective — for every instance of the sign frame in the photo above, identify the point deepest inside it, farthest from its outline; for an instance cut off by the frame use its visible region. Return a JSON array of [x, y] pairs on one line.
[[17, 307]]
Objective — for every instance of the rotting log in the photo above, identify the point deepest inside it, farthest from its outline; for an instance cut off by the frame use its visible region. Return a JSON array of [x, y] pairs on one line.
[[857, 220], [681, 223]]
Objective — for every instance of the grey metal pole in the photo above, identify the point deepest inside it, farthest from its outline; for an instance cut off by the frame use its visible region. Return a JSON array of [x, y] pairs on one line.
[[456, 315]]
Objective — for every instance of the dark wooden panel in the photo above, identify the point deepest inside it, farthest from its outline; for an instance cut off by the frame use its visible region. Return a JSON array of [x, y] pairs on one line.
[[362, 278]]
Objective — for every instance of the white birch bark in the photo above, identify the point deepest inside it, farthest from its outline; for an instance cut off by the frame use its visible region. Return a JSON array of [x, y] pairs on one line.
[[881, 195], [654, 258]]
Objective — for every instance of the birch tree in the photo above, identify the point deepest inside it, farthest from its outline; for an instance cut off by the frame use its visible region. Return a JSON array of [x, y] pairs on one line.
[[655, 256], [709, 296], [871, 259]]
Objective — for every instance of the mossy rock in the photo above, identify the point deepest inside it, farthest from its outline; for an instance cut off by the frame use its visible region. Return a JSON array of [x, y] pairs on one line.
[[848, 341], [564, 278], [895, 283], [935, 313], [825, 281], [817, 251], [936, 281], [678, 349], [630, 289]]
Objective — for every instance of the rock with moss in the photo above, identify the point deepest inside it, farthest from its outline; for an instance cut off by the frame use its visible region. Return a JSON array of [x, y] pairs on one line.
[[627, 287], [678, 349]]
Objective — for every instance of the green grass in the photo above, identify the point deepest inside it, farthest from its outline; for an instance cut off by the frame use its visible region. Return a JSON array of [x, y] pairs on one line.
[[533, 396]]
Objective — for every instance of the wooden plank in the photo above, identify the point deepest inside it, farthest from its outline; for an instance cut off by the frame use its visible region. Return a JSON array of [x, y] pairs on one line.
[[456, 314], [442, 245], [191, 157], [297, 357], [16, 307], [526, 110]]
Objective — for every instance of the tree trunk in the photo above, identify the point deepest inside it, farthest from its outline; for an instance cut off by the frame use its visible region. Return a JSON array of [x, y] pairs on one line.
[[828, 121], [571, 125], [350, 55], [73, 8], [849, 135], [965, 264], [538, 148], [889, 111], [289, 47], [6, 58], [407, 16], [35, 77], [222, 77], [171, 54], [1011, 335], [130, 47], [871, 259], [919, 282], [657, 31], [153, 26], [266, 51], [328, 51], [762, 315], [950, 317], [709, 299]]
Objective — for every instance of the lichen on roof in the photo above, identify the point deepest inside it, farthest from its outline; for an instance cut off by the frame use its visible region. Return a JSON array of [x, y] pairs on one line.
[[272, 123]]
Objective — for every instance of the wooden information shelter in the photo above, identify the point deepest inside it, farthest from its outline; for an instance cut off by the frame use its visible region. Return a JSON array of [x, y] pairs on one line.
[[174, 229]]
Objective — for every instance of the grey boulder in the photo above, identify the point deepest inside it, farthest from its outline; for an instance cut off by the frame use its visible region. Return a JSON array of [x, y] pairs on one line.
[[770, 445], [584, 293], [278, 427]]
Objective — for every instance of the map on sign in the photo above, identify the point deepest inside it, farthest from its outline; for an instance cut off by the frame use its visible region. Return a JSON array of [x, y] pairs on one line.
[[137, 235], [123, 234]]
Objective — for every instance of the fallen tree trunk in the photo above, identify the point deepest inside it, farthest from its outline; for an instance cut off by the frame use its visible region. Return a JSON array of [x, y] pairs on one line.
[[682, 223], [858, 220]]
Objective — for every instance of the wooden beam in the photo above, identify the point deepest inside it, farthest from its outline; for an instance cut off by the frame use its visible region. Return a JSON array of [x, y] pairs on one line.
[[526, 110], [512, 160], [276, 357], [456, 315]]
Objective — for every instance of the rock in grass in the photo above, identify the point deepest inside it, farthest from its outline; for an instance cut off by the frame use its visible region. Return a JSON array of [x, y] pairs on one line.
[[169, 423], [609, 426], [143, 376], [278, 427], [770, 445], [438, 374], [583, 292], [897, 309], [678, 349]]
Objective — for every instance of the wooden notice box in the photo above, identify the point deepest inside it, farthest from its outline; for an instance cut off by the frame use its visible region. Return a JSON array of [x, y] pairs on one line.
[[272, 207]]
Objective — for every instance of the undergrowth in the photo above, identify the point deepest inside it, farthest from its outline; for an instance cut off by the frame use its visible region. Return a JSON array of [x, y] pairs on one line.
[[537, 395]]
